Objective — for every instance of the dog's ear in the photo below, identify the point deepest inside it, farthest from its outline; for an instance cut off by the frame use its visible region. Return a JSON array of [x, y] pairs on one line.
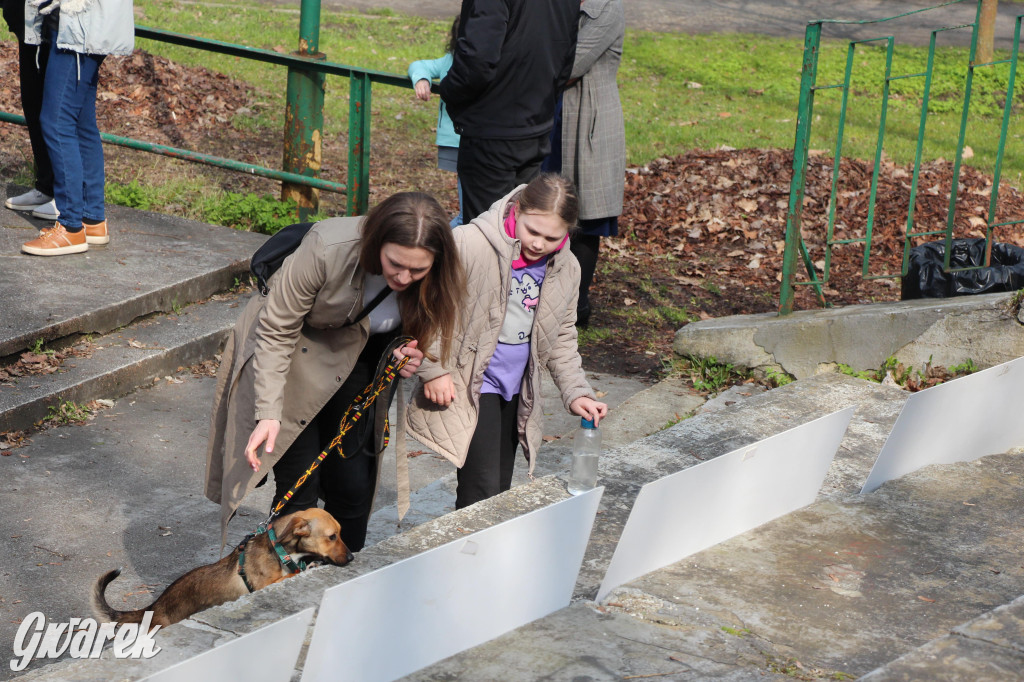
[[297, 527]]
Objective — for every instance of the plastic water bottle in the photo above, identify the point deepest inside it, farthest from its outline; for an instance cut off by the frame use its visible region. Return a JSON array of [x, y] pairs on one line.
[[586, 446]]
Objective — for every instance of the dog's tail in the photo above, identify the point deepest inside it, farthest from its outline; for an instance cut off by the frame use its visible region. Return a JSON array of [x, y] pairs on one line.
[[106, 613]]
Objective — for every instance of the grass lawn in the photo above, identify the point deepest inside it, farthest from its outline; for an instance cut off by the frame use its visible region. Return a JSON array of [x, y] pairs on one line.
[[679, 92]]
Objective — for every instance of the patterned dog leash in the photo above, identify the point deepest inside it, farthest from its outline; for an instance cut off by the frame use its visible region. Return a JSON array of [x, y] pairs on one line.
[[387, 370]]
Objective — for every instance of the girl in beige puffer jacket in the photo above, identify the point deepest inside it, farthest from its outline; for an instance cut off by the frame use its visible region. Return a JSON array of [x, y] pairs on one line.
[[520, 317]]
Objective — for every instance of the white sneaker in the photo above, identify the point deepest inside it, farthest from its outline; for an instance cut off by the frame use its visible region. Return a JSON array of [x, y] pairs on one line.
[[47, 211], [29, 201]]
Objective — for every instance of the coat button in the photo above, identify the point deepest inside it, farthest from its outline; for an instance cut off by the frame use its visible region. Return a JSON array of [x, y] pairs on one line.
[[338, 378], [304, 349], [302, 422]]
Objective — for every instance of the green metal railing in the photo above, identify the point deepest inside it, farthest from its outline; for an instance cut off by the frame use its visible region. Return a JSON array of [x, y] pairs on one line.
[[795, 247], [304, 115]]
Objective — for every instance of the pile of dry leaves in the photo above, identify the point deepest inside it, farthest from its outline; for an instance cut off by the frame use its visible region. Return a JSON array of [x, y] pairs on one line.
[[150, 98], [722, 214]]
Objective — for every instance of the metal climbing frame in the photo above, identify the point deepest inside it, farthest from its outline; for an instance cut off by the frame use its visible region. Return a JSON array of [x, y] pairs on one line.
[[794, 244]]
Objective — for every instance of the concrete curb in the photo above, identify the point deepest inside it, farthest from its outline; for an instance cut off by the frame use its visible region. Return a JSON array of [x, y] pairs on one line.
[[947, 332]]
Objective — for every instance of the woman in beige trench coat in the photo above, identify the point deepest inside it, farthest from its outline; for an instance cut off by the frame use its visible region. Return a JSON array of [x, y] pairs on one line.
[[297, 356]]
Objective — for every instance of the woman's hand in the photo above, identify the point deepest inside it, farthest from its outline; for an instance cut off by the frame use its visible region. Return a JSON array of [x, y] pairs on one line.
[[414, 354], [423, 89], [440, 390], [265, 432], [589, 408]]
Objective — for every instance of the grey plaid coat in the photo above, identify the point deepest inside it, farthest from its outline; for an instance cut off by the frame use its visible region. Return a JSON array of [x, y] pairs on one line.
[[593, 135]]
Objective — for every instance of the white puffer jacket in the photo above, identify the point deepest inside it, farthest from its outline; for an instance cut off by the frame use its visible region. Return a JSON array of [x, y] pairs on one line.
[[88, 26], [487, 254]]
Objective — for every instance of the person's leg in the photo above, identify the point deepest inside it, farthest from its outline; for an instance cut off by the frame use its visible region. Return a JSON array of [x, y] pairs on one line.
[[31, 78], [487, 170], [457, 220], [70, 81], [347, 488], [291, 467], [347, 484], [480, 476], [91, 146], [585, 247], [65, 89], [530, 155], [508, 440]]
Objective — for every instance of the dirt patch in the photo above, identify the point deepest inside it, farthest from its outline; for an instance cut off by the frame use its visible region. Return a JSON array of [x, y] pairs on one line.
[[701, 234]]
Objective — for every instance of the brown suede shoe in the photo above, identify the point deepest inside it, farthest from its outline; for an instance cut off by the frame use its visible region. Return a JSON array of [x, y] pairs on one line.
[[56, 241], [96, 234]]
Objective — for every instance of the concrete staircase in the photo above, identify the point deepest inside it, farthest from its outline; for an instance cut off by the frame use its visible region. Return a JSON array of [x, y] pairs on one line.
[[156, 299]]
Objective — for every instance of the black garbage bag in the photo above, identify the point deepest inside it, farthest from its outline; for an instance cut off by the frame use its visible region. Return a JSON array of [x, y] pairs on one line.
[[925, 278]]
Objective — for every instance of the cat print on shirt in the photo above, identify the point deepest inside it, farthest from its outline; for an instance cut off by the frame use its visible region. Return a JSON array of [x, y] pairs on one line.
[[523, 296]]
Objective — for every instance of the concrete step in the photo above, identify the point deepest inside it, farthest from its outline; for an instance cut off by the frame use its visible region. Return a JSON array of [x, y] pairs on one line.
[[989, 648], [120, 361], [154, 263], [148, 303]]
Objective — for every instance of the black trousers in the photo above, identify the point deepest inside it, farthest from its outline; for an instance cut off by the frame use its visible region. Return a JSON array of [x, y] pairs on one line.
[[492, 451], [345, 485], [585, 247], [490, 169], [31, 79]]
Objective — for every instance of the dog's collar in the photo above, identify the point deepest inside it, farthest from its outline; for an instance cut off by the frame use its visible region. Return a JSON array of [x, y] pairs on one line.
[[284, 557]]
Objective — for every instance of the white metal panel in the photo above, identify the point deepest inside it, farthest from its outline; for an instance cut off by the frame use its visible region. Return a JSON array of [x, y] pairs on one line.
[[394, 621], [957, 421], [695, 508], [266, 655]]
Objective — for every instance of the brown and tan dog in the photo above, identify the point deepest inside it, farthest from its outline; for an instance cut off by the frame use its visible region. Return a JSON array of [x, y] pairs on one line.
[[312, 534]]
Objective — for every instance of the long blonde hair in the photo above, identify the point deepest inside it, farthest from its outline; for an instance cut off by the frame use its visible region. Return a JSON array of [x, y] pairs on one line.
[[430, 307]]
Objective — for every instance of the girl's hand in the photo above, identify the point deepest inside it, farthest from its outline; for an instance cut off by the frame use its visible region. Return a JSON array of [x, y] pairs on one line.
[[440, 390], [423, 89], [266, 431], [589, 408], [414, 354]]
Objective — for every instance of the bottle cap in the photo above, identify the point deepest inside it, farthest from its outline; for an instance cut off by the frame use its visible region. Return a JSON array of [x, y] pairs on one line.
[[586, 423]]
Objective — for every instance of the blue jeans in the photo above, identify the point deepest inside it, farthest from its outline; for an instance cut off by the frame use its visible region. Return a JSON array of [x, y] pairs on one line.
[[72, 138], [457, 220]]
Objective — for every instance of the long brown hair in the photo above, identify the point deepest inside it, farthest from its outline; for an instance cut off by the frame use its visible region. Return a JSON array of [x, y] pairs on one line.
[[551, 193], [430, 307]]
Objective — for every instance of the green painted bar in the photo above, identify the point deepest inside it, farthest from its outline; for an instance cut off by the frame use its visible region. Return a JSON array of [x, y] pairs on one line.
[[958, 158], [794, 213], [1007, 108], [805, 113], [269, 56], [359, 144], [187, 155]]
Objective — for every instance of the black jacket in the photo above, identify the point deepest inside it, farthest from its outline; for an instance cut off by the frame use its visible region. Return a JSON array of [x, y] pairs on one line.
[[511, 60]]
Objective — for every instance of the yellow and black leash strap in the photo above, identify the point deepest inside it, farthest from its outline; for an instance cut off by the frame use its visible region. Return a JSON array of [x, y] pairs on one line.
[[387, 371]]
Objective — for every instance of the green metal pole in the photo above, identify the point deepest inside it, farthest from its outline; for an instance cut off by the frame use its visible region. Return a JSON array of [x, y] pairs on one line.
[[358, 144], [304, 114], [794, 215]]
